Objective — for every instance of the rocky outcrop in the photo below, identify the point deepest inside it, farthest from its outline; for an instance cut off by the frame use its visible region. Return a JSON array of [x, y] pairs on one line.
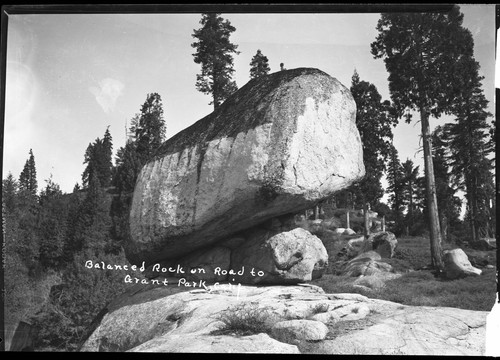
[[354, 246], [161, 319], [294, 331], [384, 243], [457, 265], [366, 264], [280, 144]]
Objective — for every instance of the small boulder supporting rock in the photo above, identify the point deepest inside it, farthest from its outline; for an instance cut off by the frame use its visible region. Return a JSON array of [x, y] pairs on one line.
[[285, 258], [457, 265]]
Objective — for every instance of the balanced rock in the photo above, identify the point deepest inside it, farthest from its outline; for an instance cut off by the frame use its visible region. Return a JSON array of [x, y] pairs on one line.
[[457, 265], [278, 145]]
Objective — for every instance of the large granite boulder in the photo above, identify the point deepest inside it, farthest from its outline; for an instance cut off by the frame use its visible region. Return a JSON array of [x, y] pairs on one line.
[[279, 145], [457, 265]]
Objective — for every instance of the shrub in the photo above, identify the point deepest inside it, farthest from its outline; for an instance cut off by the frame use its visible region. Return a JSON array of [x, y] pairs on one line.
[[319, 308], [246, 319]]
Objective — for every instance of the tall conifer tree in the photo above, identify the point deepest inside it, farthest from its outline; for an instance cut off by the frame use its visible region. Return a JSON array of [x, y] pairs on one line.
[[471, 150], [374, 120], [214, 51], [27, 179], [410, 177], [395, 179], [259, 65], [419, 51], [149, 128]]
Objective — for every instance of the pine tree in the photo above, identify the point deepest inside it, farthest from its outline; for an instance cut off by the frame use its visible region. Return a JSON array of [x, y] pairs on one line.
[[470, 146], [374, 122], [72, 224], [395, 179], [448, 203], [148, 133], [409, 183], [27, 179], [9, 192], [107, 162], [149, 128], [214, 51], [259, 65], [419, 51], [27, 243], [92, 222], [52, 225], [98, 158], [128, 166]]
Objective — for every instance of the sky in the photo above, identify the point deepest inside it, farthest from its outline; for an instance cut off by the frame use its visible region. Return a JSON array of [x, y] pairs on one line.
[[70, 76]]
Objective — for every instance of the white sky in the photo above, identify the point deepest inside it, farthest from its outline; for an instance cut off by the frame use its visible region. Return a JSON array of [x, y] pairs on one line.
[[69, 76]]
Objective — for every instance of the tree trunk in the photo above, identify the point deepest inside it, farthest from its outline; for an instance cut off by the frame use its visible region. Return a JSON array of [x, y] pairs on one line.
[[444, 227], [215, 89], [366, 227], [410, 210], [348, 225], [316, 212], [472, 215], [383, 223], [475, 209], [434, 228]]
